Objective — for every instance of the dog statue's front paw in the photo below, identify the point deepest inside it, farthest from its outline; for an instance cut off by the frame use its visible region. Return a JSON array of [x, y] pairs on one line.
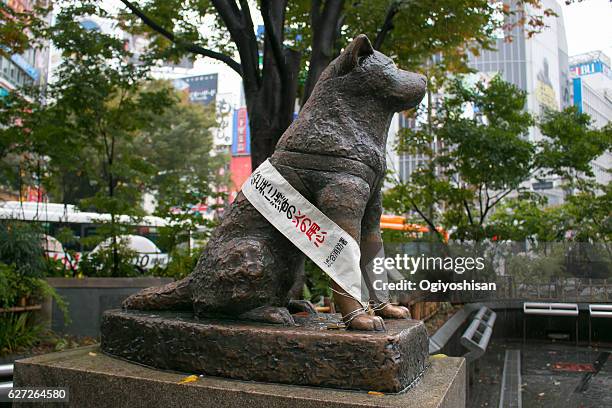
[[297, 306], [389, 311], [269, 314], [365, 321]]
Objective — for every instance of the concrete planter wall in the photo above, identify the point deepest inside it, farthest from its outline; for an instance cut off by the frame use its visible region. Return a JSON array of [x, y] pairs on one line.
[[88, 298]]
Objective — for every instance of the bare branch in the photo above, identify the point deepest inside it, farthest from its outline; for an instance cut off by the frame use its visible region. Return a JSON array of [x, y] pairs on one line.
[[387, 26], [469, 213], [241, 30], [494, 203], [480, 201], [229, 12], [431, 225], [315, 10], [194, 48], [274, 39], [251, 39]]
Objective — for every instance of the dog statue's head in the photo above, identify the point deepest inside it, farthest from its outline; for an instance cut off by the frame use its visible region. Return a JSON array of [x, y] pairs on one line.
[[361, 71]]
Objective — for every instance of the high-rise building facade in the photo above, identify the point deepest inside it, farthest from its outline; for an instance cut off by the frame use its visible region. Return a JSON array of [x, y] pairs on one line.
[[538, 65], [29, 68], [592, 94]]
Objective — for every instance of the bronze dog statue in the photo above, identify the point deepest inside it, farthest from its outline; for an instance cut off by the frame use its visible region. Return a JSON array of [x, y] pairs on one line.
[[334, 155]]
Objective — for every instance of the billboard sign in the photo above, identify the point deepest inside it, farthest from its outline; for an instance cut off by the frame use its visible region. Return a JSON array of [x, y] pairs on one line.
[[18, 60], [544, 89], [241, 134], [591, 67], [202, 88]]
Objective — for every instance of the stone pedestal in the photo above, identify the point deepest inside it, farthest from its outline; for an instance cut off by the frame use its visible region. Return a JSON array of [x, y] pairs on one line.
[[311, 353], [97, 380]]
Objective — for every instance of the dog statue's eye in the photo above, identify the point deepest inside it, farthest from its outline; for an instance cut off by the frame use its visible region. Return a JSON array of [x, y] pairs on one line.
[[362, 59]]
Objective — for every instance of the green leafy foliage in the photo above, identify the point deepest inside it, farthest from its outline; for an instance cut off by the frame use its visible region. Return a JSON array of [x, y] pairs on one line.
[[17, 332], [20, 246], [302, 37], [15, 23], [114, 260], [107, 134], [571, 142], [538, 267], [318, 283], [182, 262], [471, 162]]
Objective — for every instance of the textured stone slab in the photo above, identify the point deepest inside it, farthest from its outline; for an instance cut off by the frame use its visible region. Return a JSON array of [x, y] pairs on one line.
[[308, 354], [96, 380]]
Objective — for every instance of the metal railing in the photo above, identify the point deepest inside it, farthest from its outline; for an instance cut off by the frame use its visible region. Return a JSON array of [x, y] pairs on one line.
[[604, 311], [6, 373], [549, 309], [561, 289], [476, 337]]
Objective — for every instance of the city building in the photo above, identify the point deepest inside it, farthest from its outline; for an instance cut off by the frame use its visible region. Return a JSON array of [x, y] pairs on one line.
[[592, 94], [29, 68], [537, 64]]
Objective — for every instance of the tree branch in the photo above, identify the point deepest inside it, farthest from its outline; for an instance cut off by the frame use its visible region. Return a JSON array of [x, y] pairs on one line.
[[274, 39], [315, 11], [325, 22], [469, 213], [191, 47], [431, 225], [242, 34], [229, 12], [387, 26], [493, 204], [480, 201], [251, 39]]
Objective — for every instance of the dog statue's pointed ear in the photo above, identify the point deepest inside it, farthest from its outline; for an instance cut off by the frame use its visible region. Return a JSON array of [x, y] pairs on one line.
[[349, 58]]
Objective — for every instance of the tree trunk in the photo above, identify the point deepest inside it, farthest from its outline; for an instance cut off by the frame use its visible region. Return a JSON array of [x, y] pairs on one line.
[[271, 104], [325, 32], [271, 111]]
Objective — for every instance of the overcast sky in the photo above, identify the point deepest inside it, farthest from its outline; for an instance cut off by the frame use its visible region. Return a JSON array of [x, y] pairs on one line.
[[588, 26]]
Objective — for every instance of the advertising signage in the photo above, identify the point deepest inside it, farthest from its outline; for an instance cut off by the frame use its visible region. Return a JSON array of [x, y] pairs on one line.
[[24, 65], [241, 134], [590, 67], [202, 88]]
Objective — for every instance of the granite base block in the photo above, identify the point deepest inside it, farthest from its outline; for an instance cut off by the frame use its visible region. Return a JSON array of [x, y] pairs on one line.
[[96, 380]]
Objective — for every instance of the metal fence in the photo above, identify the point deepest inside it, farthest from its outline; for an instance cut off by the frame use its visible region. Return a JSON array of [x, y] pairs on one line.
[[578, 290]]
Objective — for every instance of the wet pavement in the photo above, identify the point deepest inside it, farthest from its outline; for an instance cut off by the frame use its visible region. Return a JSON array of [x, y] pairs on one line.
[[544, 384]]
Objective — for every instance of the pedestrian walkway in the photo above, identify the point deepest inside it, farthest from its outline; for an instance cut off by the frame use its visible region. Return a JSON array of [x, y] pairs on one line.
[[511, 381], [551, 375]]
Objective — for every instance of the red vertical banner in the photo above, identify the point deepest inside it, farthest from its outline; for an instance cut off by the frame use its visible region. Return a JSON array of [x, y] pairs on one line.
[[241, 143], [240, 168]]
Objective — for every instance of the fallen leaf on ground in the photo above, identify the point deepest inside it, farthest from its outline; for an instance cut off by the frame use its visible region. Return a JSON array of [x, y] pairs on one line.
[[375, 393], [191, 378], [91, 353]]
